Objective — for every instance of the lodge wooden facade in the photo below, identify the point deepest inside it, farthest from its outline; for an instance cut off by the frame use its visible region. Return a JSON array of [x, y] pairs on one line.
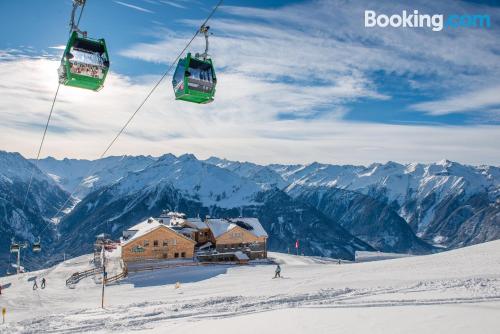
[[160, 242], [239, 239], [173, 236]]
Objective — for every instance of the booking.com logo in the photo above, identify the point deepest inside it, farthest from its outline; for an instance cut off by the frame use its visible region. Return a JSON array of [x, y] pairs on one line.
[[416, 20]]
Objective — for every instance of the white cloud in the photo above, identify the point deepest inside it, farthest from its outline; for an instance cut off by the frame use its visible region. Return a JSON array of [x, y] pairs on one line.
[[284, 80], [58, 47], [232, 127], [320, 44], [141, 9], [173, 4], [470, 102]]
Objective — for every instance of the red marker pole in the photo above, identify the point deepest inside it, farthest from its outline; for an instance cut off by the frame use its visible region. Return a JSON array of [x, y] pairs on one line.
[[297, 246]]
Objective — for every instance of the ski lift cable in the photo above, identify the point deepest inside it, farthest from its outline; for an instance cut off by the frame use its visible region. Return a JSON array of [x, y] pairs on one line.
[[81, 12], [48, 122], [120, 132], [35, 166]]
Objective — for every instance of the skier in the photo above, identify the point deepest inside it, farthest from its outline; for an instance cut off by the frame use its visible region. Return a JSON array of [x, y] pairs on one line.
[[35, 286], [277, 273], [339, 261], [43, 283]]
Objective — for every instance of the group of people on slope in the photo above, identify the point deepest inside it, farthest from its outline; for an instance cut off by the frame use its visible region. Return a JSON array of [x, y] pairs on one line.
[[42, 285]]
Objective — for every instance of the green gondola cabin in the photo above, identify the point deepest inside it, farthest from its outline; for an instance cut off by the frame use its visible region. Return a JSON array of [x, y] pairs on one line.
[[85, 63], [194, 80]]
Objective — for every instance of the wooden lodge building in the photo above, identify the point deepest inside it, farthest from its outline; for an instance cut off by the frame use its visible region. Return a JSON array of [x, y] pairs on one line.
[[152, 240], [173, 236]]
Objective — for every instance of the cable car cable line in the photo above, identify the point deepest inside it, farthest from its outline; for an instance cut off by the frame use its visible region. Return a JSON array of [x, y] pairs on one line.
[[72, 25], [129, 120], [52, 107]]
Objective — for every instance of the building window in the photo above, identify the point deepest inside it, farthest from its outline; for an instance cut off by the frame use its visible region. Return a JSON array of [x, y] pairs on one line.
[[155, 243], [137, 249], [176, 255], [183, 254], [146, 243], [206, 234], [165, 243]]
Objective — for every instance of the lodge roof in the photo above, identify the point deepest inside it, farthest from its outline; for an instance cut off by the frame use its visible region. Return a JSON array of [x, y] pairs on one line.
[[148, 226], [221, 226]]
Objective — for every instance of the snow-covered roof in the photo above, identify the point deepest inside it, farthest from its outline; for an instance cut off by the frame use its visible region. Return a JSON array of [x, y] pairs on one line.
[[257, 228], [241, 256], [148, 226], [144, 224], [196, 223], [188, 230], [205, 245], [221, 226]]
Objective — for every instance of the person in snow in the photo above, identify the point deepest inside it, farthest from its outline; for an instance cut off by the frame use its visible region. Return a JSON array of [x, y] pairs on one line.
[[277, 273], [43, 283], [35, 286]]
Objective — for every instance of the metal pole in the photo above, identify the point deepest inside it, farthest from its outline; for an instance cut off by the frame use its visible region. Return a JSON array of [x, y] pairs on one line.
[[103, 284], [19, 259], [103, 275]]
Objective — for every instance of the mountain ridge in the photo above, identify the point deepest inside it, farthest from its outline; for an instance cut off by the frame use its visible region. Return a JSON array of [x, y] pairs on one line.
[[392, 207]]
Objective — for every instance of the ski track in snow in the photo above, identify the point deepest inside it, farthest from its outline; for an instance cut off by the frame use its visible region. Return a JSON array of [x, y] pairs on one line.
[[143, 315]]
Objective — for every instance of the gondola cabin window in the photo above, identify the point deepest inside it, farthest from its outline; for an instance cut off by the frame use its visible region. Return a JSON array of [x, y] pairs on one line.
[[178, 80], [200, 76]]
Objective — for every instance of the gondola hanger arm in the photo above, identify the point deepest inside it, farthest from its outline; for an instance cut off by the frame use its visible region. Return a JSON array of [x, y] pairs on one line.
[[74, 26]]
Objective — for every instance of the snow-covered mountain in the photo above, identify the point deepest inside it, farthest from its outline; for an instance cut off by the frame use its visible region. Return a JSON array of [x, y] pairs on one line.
[[390, 207], [263, 175], [445, 203], [434, 199], [198, 188], [87, 175], [32, 222]]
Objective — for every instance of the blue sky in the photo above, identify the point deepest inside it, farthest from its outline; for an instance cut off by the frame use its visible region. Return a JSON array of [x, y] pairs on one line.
[[298, 81]]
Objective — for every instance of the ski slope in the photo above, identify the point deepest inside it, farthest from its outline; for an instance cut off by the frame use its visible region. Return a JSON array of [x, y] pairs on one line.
[[451, 292]]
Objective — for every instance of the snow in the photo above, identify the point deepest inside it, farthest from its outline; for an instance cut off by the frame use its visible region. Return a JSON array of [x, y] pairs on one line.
[[221, 226], [195, 179], [196, 223], [241, 256], [69, 173], [398, 183], [364, 256], [257, 228], [450, 292], [146, 227]]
